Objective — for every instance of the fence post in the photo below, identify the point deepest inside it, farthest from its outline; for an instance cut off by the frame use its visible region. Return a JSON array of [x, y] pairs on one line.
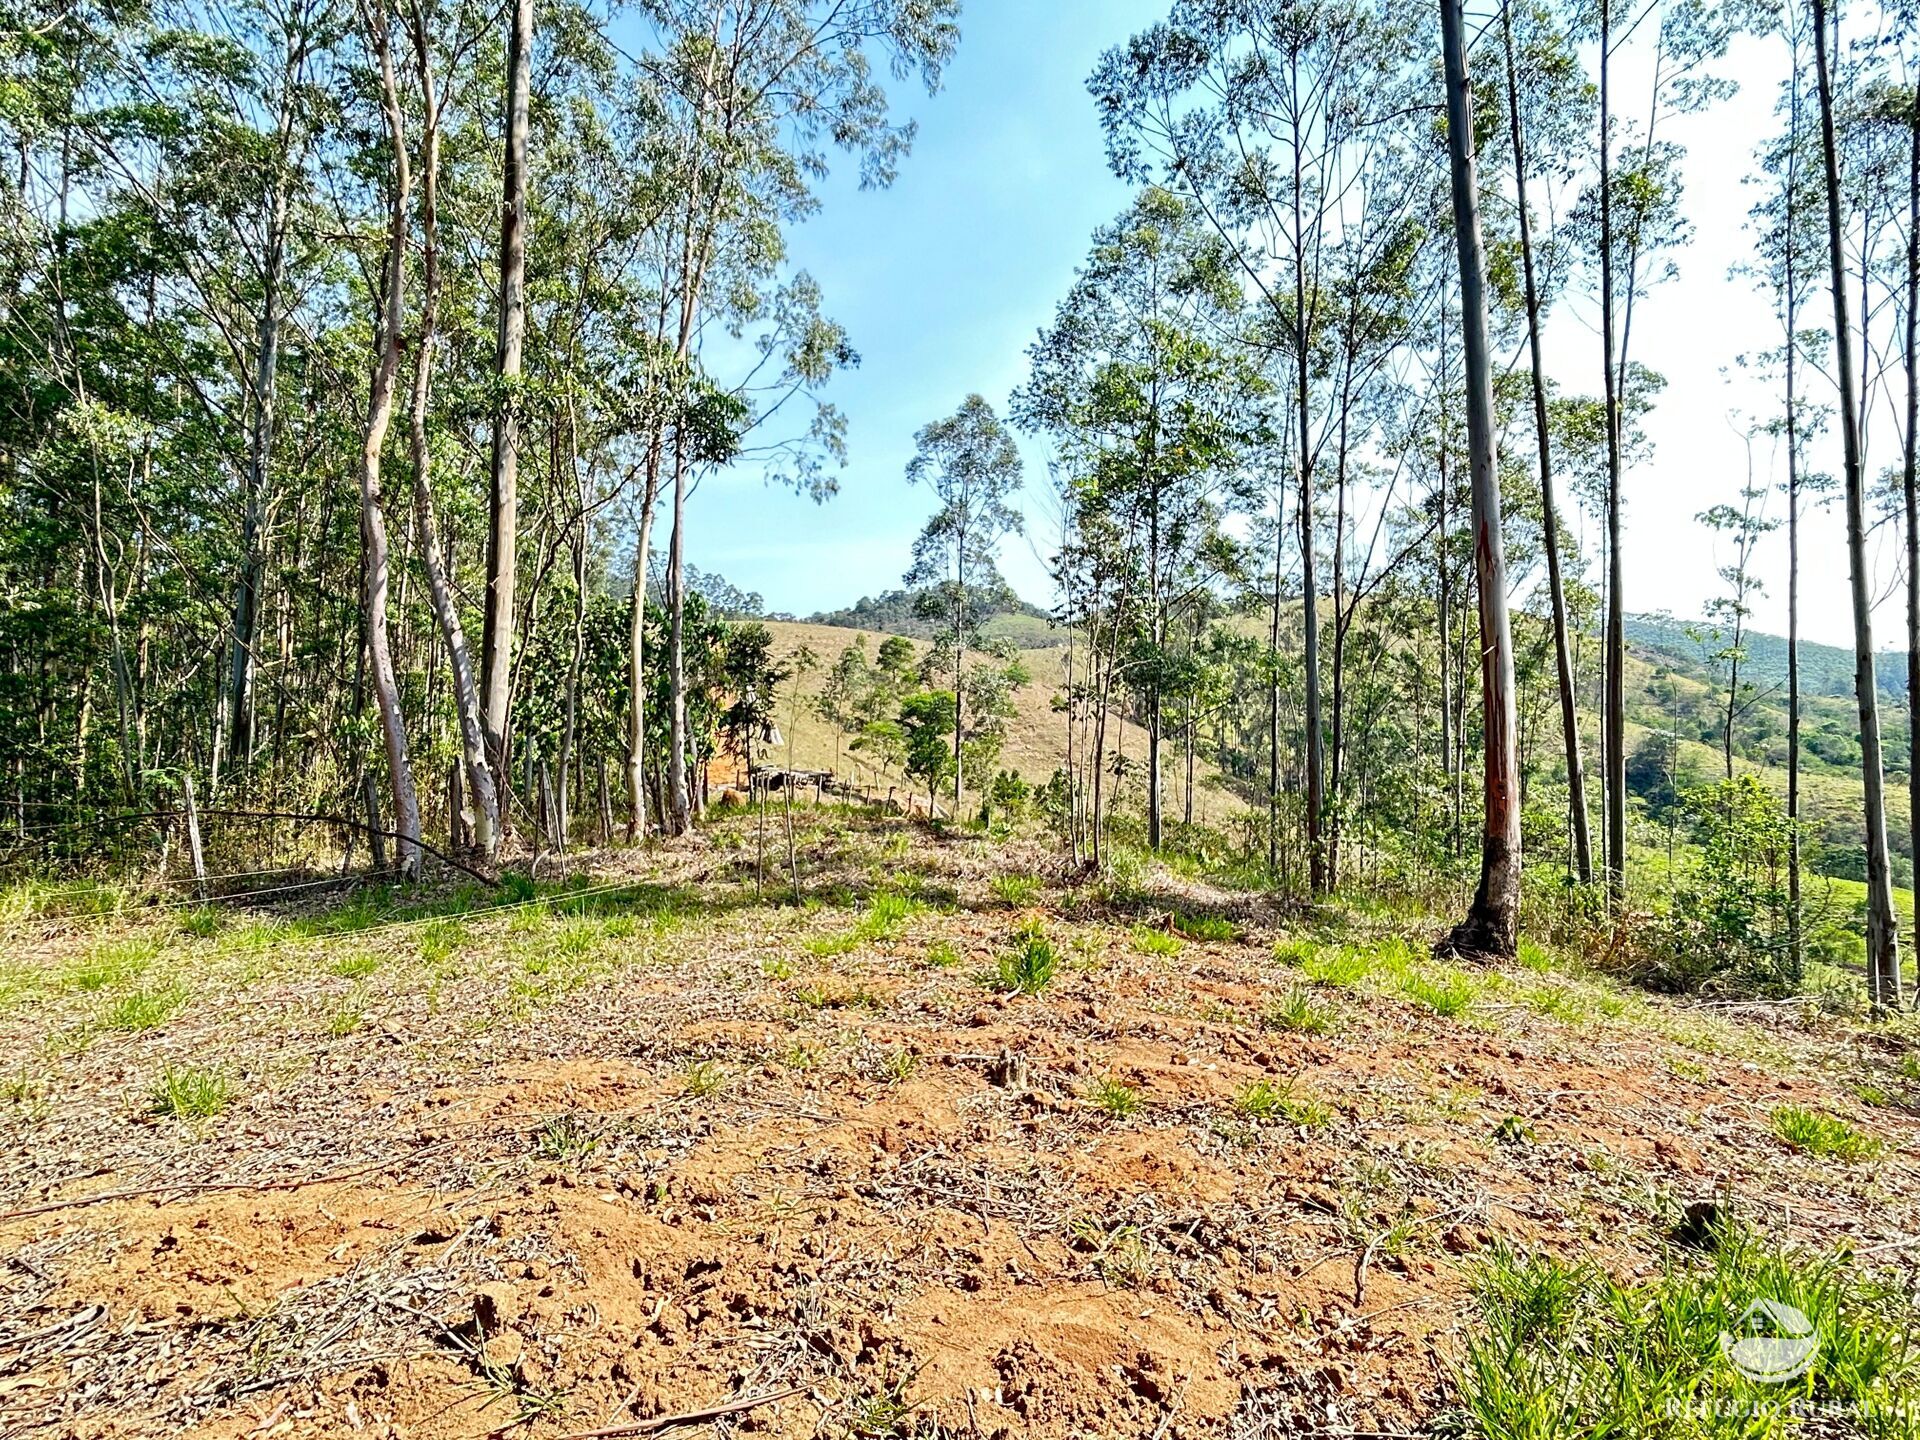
[[193, 840], [456, 809], [552, 821], [376, 841]]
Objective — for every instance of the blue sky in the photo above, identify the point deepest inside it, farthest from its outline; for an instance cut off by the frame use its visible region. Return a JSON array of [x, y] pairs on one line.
[[943, 280]]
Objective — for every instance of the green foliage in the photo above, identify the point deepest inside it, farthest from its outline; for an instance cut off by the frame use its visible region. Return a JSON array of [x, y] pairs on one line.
[[1563, 1350], [926, 737], [1814, 1133], [1206, 927], [1297, 1010], [144, 1009], [1151, 940], [1725, 928], [1014, 889]]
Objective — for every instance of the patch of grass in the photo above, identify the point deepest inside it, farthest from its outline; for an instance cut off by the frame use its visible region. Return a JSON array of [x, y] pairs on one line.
[[202, 922], [1029, 967], [565, 1139], [1119, 1254], [1116, 1098], [1150, 940], [1296, 952], [799, 1055], [1299, 1011], [777, 968], [703, 1079], [188, 1093], [346, 1020], [1261, 1101], [1564, 1350], [354, 966], [1343, 967], [112, 963], [898, 1064], [1215, 928], [943, 954], [143, 1009], [1014, 889], [1826, 1136], [1449, 993], [1535, 957], [886, 915], [440, 940]]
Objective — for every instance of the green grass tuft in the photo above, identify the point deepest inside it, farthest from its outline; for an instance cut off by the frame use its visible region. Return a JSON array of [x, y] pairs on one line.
[[1115, 1097], [191, 1094], [1813, 1133], [1206, 927], [1029, 967], [1449, 993], [1297, 1010], [144, 1009], [1015, 889], [1149, 940]]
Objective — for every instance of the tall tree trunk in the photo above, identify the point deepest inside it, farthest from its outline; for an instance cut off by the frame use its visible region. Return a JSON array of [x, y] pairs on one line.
[[503, 486], [1157, 629], [373, 524], [1273, 689], [1549, 511], [959, 665], [1614, 721], [636, 649], [679, 798], [1883, 940], [1911, 489], [1309, 597], [446, 612], [1492, 924]]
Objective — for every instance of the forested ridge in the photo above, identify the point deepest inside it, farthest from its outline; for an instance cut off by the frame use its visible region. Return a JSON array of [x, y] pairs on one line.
[[1332, 964]]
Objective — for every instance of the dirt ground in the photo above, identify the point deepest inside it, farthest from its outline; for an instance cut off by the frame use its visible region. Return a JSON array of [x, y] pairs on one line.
[[663, 1154]]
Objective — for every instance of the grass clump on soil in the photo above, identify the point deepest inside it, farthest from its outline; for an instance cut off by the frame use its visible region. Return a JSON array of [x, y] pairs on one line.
[[1206, 927], [1149, 940], [1029, 966], [1297, 1010], [1116, 1098], [1564, 1350], [1814, 1133], [1448, 994], [145, 1009], [1263, 1102], [187, 1093], [112, 963], [1014, 889]]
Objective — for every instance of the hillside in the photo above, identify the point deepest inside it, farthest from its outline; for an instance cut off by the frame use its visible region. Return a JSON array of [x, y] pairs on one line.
[[1036, 736]]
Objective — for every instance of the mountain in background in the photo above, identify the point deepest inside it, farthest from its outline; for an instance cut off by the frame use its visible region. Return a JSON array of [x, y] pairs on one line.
[[1824, 669]]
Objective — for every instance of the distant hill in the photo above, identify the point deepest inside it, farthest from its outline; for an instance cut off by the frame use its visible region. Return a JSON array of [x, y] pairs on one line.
[[899, 612], [1824, 669]]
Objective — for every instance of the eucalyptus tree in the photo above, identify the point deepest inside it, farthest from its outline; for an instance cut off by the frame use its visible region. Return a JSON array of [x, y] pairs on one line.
[[1275, 118], [1547, 98], [1635, 222], [1493, 921], [1152, 404], [1883, 941], [1743, 525], [503, 477], [972, 466]]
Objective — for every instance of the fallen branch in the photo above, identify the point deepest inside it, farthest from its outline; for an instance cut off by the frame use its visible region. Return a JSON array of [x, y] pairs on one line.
[[688, 1417]]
